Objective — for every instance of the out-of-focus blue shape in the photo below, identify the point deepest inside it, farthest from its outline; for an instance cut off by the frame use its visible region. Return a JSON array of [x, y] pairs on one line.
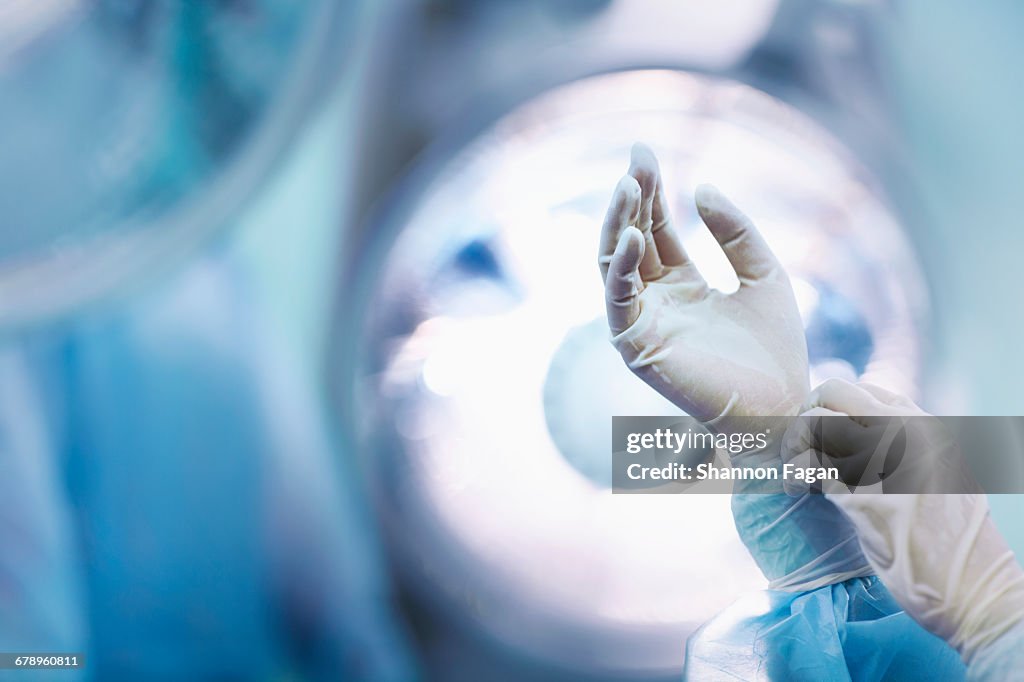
[[477, 258], [210, 529], [41, 605], [133, 130], [219, 537], [836, 329], [950, 69]]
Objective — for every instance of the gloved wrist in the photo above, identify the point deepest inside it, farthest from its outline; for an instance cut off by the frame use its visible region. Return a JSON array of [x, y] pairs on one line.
[[990, 603], [1001, 659], [945, 562], [735, 418], [800, 543]]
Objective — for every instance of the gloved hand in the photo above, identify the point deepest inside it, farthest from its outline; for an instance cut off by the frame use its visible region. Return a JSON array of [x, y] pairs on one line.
[[889, 444], [722, 356], [940, 555], [714, 355]]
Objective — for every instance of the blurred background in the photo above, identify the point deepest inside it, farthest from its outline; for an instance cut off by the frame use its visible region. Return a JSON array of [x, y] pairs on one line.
[[303, 367]]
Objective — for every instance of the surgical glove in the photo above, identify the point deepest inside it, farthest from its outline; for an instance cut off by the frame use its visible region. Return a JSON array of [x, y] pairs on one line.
[[940, 555], [714, 355], [799, 543], [892, 448]]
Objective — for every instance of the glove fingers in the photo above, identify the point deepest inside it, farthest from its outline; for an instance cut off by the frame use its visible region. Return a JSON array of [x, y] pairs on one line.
[[623, 286], [799, 436], [670, 248], [643, 168], [886, 396], [852, 399], [622, 212], [743, 245], [662, 246], [814, 433]]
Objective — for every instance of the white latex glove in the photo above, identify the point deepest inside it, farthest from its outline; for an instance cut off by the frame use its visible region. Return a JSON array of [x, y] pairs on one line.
[[940, 555], [864, 439], [714, 355]]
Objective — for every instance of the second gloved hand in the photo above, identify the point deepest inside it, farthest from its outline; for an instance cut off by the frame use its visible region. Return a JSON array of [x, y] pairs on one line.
[[940, 555]]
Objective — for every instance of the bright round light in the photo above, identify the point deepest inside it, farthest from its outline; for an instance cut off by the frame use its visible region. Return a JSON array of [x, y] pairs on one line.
[[491, 383]]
